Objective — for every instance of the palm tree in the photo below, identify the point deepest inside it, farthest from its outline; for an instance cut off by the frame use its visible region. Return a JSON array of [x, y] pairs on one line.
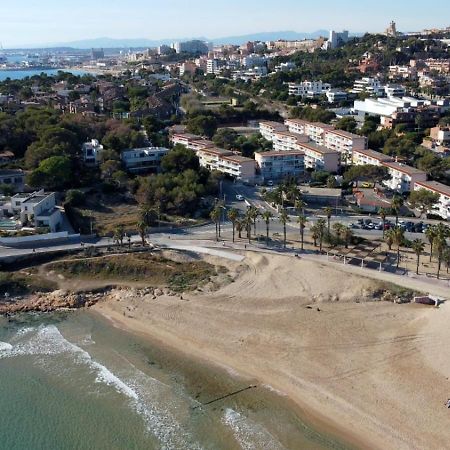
[[233, 214], [253, 214], [239, 226], [440, 245], [299, 205], [383, 215], [431, 233], [398, 236], [389, 238], [348, 236], [321, 226], [141, 227], [328, 212], [248, 220], [446, 258], [339, 228], [284, 219], [267, 216], [301, 220], [119, 234], [396, 204], [215, 217], [418, 246], [314, 234]]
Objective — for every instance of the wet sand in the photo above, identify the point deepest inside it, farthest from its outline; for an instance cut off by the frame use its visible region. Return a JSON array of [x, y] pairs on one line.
[[354, 368]]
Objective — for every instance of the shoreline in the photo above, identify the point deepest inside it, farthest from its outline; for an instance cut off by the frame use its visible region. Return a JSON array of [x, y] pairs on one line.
[[312, 419], [351, 364]]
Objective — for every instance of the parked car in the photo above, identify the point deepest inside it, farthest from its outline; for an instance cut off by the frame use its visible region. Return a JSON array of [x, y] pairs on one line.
[[239, 197]]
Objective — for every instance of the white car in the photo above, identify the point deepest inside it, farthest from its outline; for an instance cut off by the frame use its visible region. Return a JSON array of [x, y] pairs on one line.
[[239, 197]]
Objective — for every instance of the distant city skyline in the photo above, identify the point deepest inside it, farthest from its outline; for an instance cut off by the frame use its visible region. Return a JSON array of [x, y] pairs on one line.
[[50, 21]]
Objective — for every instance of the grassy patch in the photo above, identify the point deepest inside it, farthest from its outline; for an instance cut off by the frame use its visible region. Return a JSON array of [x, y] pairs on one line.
[[22, 284], [142, 267]]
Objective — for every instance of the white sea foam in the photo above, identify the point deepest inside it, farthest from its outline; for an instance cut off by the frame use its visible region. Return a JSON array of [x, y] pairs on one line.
[[5, 347], [147, 396], [249, 435]]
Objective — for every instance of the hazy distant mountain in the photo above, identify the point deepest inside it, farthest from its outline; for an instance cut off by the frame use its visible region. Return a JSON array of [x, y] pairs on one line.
[[105, 42]]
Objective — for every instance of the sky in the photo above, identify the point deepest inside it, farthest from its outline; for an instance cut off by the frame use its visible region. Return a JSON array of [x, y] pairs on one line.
[[32, 22]]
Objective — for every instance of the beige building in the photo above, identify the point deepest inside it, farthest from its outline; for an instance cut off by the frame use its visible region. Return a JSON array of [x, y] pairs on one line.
[[314, 130], [318, 157], [442, 207], [403, 177], [345, 143], [370, 157], [277, 165], [268, 128]]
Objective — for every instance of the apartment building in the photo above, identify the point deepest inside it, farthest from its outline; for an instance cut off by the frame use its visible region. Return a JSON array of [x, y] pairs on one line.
[[318, 157], [285, 140], [370, 157], [442, 207], [335, 95], [371, 86], [268, 128], [190, 141], [138, 160], [394, 90], [344, 143], [228, 163], [92, 152], [309, 89], [278, 165], [403, 177], [314, 130]]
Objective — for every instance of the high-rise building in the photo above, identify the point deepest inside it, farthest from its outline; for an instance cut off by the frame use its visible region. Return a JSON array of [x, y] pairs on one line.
[[195, 47], [336, 39], [391, 30], [97, 53]]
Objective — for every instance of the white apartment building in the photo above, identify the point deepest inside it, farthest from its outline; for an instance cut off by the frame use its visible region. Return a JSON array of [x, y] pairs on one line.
[[336, 39], [286, 141], [214, 66], [372, 86], [370, 157], [344, 143], [143, 159], [190, 141], [276, 165], [394, 90], [403, 177], [404, 72], [268, 128], [37, 209], [226, 162], [442, 207], [255, 73], [314, 130], [335, 96], [253, 60], [92, 152], [309, 88], [318, 157]]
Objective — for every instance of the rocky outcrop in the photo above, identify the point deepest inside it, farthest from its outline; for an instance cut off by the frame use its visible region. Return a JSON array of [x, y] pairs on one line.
[[47, 302], [57, 300]]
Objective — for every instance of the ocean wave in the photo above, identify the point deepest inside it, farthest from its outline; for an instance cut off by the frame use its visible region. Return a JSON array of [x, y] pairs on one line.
[[249, 435], [147, 396]]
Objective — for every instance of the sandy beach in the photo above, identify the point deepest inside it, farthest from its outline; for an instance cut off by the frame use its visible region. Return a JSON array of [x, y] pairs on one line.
[[373, 373]]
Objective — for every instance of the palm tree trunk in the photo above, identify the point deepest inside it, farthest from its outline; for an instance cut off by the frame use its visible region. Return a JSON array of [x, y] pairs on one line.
[[302, 236], [431, 250], [439, 266], [219, 226], [284, 233], [418, 262], [267, 233], [320, 244], [328, 220], [217, 232], [254, 227], [384, 224], [234, 226], [398, 256], [249, 232]]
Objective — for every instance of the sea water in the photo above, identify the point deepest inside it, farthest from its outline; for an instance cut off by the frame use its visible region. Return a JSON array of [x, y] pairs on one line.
[[72, 381]]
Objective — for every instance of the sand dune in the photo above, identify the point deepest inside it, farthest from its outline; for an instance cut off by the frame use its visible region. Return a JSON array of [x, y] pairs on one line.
[[376, 372]]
